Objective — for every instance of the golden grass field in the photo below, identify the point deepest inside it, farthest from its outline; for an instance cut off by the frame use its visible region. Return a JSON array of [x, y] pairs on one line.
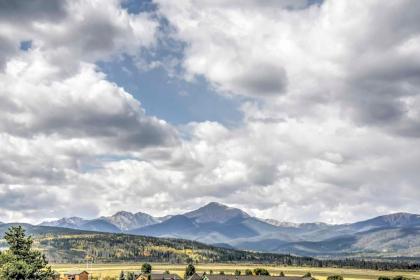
[[103, 270]]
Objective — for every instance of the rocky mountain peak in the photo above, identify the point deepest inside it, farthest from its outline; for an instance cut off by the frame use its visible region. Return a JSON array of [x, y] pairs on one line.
[[216, 212]]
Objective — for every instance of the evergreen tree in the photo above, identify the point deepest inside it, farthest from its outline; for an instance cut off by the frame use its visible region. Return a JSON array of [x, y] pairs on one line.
[[237, 272], [189, 271], [282, 274], [20, 262], [122, 276], [248, 272], [146, 268]]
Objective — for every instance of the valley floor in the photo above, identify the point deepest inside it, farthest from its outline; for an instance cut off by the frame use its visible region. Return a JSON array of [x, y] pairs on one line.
[[113, 270]]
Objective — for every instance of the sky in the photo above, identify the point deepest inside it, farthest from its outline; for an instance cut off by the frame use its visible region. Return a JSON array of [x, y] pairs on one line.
[[295, 110]]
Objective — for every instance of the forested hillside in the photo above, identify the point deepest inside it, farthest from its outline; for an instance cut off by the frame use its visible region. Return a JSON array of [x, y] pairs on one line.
[[107, 247]]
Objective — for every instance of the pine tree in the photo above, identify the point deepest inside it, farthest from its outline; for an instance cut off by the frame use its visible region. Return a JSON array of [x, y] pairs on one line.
[[189, 271], [20, 262], [146, 268]]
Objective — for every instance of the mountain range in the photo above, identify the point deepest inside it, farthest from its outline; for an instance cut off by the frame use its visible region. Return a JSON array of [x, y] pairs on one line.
[[394, 235]]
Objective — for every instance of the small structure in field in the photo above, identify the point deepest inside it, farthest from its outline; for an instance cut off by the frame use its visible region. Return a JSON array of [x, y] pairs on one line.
[[158, 276], [195, 276], [76, 275], [56, 276]]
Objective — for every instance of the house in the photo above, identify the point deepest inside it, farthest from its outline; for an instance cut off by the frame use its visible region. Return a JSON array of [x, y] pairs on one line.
[[195, 276], [251, 277], [158, 276], [56, 276], [76, 275]]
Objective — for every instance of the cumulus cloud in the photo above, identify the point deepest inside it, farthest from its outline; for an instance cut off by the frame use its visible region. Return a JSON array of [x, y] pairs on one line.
[[291, 170], [83, 105], [59, 112], [72, 31], [330, 109], [39, 9], [50, 126], [360, 56], [343, 86]]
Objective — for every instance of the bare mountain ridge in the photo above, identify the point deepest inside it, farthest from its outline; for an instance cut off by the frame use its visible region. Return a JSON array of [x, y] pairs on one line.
[[215, 212], [126, 220], [119, 222]]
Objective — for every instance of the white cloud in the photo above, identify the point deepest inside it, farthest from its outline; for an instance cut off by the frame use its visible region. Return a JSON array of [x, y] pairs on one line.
[[80, 106], [339, 116], [68, 32], [361, 57], [60, 116], [300, 171], [330, 126]]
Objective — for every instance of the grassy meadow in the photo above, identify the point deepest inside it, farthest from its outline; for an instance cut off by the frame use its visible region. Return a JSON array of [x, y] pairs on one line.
[[113, 270]]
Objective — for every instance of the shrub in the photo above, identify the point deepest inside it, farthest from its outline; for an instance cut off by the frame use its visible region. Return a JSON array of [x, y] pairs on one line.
[[400, 278], [335, 277], [261, 271], [248, 272]]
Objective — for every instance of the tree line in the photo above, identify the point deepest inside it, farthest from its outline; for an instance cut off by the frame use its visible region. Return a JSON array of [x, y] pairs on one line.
[[190, 270]]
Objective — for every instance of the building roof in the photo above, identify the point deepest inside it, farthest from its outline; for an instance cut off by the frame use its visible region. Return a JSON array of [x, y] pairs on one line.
[[195, 276], [253, 277], [75, 272], [162, 276]]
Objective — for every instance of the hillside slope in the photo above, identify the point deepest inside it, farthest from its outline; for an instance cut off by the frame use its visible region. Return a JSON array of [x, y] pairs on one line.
[[376, 243], [63, 245]]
